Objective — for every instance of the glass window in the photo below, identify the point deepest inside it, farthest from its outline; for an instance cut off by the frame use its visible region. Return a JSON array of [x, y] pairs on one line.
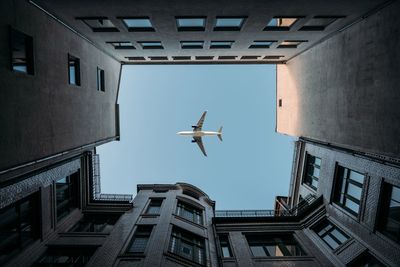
[[67, 195], [189, 212], [348, 188], [96, 223], [151, 45], [318, 23], [225, 246], [291, 43], [229, 23], [100, 80], [187, 245], [74, 76], [261, 44], [122, 45], [221, 44], [331, 234], [65, 256], [274, 245], [140, 239], [99, 24], [154, 206], [19, 226], [191, 23], [389, 216], [192, 44], [313, 167], [138, 24], [280, 24], [21, 52]]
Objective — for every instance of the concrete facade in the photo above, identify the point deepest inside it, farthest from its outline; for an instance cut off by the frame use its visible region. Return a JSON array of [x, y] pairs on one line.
[[257, 15], [42, 114], [344, 91]]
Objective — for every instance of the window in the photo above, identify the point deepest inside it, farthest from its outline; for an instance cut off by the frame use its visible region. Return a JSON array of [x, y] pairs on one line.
[[261, 44], [221, 44], [229, 23], [189, 212], [74, 72], [135, 58], [99, 24], [67, 198], [19, 226], [100, 80], [140, 239], [249, 57], [158, 58], [181, 57], [187, 245], [281, 23], [331, 234], [348, 189], [65, 256], [204, 57], [313, 167], [151, 45], [122, 45], [226, 57], [274, 245], [366, 260], [389, 216], [273, 57], [280, 103], [192, 44], [21, 52], [319, 23], [291, 43], [226, 250], [154, 206], [96, 223], [138, 24], [191, 23]]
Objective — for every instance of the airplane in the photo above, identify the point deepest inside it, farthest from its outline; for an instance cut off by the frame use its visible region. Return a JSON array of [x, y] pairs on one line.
[[197, 133]]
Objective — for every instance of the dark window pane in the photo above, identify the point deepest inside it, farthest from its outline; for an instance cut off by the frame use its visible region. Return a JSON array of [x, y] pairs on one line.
[[65, 257], [187, 245], [274, 245], [140, 239], [74, 70], [225, 246], [21, 52], [154, 206], [331, 234], [96, 223], [67, 195], [189, 212], [389, 216], [100, 80]]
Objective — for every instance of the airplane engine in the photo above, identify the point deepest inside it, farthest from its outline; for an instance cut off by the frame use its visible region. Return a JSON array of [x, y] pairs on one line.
[[193, 141]]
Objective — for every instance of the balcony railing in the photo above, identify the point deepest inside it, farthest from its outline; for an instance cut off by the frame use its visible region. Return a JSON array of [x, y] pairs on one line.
[[303, 204]]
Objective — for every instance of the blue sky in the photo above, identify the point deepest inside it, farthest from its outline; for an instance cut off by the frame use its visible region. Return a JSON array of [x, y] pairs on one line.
[[246, 171]]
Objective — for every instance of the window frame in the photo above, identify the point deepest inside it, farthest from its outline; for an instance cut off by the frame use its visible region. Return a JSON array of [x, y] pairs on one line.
[[29, 51], [317, 27], [191, 28], [339, 182], [214, 45], [295, 43], [285, 239], [145, 47], [183, 205], [230, 28], [254, 44], [74, 187], [121, 47], [282, 28], [192, 45], [323, 224], [90, 218], [228, 241], [149, 205], [384, 208], [98, 29], [101, 79], [136, 234], [137, 29], [307, 178], [77, 75]]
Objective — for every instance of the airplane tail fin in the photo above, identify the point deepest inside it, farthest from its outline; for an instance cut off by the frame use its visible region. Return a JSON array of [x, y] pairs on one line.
[[220, 133]]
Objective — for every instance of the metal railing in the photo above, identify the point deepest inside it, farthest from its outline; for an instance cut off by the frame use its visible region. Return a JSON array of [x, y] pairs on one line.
[[97, 185], [301, 206]]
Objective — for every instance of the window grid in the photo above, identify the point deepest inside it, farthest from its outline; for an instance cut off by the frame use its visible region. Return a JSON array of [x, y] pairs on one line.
[[313, 168], [331, 235], [348, 189], [189, 212], [389, 221], [226, 250], [187, 245], [154, 206], [274, 245], [140, 239]]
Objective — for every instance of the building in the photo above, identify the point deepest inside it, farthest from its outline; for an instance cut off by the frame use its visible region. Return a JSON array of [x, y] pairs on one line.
[[342, 210]]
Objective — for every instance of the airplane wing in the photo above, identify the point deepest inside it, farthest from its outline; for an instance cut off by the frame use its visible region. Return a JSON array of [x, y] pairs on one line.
[[200, 123], [199, 142]]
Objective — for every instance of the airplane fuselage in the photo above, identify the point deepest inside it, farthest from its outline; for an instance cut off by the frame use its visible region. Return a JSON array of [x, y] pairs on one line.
[[198, 133]]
